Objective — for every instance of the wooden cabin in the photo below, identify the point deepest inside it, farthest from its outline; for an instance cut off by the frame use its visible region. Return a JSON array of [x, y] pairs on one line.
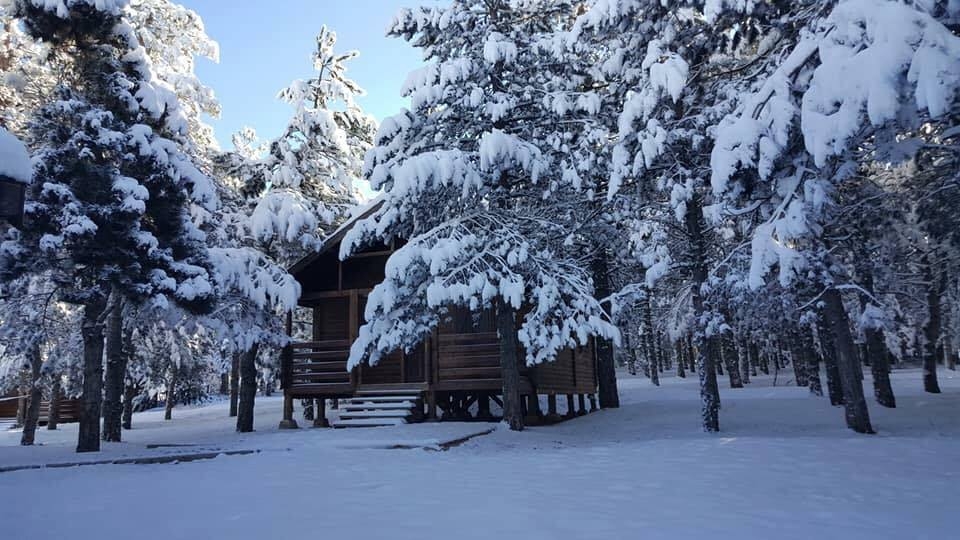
[[9, 405], [454, 371]]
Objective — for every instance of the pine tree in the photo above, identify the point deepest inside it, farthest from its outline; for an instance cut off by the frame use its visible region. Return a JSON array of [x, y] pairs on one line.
[[279, 203], [484, 153], [108, 205]]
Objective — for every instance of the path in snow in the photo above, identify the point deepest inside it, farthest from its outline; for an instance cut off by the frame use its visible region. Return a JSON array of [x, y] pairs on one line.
[[208, 429], [784, 467]]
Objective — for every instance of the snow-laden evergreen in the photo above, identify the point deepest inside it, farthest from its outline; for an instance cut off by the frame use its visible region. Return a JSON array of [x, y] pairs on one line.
[[477, 181]]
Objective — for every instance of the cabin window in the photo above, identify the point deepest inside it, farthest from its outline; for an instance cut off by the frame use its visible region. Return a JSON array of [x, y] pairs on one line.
[[331, 319]]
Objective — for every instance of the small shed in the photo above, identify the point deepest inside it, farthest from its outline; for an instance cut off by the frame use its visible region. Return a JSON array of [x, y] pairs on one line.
[[454, 371]]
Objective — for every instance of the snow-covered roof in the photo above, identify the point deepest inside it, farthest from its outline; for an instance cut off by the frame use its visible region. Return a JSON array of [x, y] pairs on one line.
[[14, 158], [362, 211]]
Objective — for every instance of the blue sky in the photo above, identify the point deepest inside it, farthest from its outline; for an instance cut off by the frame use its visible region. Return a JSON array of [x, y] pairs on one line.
[[265, 45]]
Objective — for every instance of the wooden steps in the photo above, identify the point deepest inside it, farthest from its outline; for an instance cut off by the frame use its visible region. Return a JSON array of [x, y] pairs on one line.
[[373, 410]]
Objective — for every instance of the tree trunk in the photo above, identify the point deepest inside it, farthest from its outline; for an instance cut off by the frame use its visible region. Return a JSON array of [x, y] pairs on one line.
[[681, 361], [88, 438], [115, 374], [709, 389], [53, 416], [307, 405], [648, 341], [798, 360], [129, 392], [21, 409], [510, 366], [661, 354], [744, 358], [931, 330], [706, 364], [171, 393], [606, 367], [813, 363], [248, 389], [690, 355], [730, 359], [753, 354], [829, 351], [880, 368], [855, 405], [234, 383], [32, 416]]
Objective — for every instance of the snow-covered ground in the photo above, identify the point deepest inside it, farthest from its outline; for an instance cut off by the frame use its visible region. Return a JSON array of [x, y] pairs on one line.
[[784, 467]]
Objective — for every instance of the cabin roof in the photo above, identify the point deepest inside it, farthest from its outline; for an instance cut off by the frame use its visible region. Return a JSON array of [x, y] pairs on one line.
[[334, 239]]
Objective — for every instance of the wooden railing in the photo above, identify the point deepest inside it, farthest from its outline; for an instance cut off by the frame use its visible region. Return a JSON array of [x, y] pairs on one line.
[[469, 356], [316, 365]]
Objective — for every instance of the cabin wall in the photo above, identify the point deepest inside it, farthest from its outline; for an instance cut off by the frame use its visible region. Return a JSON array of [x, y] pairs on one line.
[[69, 409], [558, 377], [463, 354], [586, 369]]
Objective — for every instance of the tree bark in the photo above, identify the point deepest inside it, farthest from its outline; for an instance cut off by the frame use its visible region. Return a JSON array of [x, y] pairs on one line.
[[690, 355], [21, 409], [855, 405], [234, 383], [931, 330], [307, 405], [129, 393], [248, 389], [709, 391], [798, 360], [813, 363], [829, 352], [744, 357], [53, 416], [115, 374], [648, 342], [880, 368], [681, 361], [171, 393], [730, 359], [661, 354], [510, 366], [32, 416], [88, 438], [606, 367]]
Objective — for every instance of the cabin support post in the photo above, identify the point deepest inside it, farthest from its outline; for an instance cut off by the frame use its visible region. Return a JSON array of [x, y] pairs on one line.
[[432, 406], [593, 402], [320, 418], [571, 410], [582, 410], [483, 407], [534, 414], [552, 416], [288, 422]]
